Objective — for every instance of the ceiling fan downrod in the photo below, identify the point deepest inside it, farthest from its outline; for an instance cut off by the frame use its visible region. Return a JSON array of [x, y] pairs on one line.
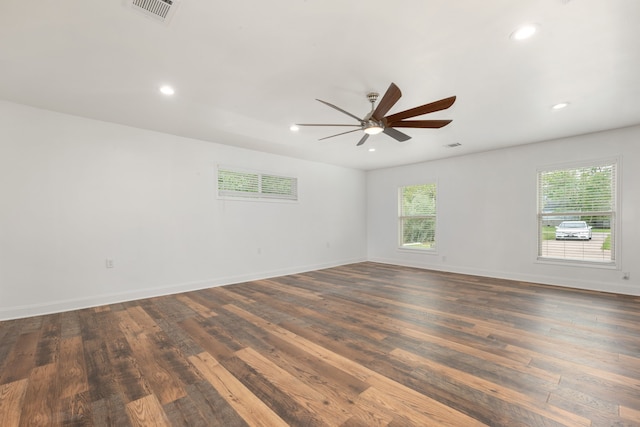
[[370, 126]]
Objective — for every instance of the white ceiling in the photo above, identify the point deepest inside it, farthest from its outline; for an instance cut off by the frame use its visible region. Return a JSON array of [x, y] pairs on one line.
[[245, 70]]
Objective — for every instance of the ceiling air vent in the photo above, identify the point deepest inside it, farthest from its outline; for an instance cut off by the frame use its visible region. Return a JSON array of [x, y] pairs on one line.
[[162, 10]]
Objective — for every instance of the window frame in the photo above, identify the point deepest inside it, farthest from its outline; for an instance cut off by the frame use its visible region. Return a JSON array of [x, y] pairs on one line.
[[614, 262], [259, 194], [400, 227]]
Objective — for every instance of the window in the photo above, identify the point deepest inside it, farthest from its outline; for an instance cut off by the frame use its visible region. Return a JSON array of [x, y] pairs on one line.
[[577, 213], [235, 183], [417, 216]]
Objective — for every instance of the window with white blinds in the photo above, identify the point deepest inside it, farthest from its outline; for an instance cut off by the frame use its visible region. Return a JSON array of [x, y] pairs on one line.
[[577, 213], [417, 216], [256, 185]]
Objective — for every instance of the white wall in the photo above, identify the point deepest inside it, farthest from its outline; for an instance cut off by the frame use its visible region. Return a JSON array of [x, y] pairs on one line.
[[75, 192], [487, 212]]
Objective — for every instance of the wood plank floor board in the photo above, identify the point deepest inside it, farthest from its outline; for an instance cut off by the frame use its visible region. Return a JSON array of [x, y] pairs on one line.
[[269, 311], [161, 380], [259, 384], [602, 389], [213, 407], [184, 413], [568, 369], [599, 419], [70, 324], [209, 298], [40, 404], [173, 336], [194, 305], [568, 351], [146, 412], [109, 412], [574, 400], [314, 370], [49, 342], [75, 410], [612, 343], [21, 360], [400, 396], [207, 337], [100, 376], [353, 335], [463, 397], [233, 295], [422, 341], [364, 344], [628, 365], [630, 414], [173, 359], [31, 324], [334, 384], [277, 288], [72, 385], [333, 411], [172, 310], [528, 401], [6, 347], [124, 367], [238, 331], [509, 377], [11, 398], [252, 409], [454, 337], [278, 400]]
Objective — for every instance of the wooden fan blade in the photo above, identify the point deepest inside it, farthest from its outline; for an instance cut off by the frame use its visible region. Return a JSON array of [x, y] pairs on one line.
[[391, 96], [432, 124], [396, 134], [363, 139], [325, 124], [443, 104], [338, 134], [340, 109]]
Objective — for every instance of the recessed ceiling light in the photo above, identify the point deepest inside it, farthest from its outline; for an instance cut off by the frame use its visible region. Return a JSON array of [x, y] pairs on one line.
[[294, 128], [371, 150], [167, 90], [524, 32], [560, 106]]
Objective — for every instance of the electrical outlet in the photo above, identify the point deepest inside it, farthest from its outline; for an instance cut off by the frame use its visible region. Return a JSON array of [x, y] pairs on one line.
[[109, 263], [626, 275]]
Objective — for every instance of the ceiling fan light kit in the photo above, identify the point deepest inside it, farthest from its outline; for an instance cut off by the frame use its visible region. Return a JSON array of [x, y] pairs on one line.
[[375, 122], [373, 128]]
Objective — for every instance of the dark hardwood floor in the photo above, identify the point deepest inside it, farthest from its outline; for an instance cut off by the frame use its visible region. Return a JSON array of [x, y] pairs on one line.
[[360, 345]]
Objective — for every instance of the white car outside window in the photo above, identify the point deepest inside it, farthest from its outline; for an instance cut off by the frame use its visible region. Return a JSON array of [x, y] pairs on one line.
[[578, 230]]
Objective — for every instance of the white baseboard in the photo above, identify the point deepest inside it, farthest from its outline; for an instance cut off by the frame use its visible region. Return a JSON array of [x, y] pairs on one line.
[[105, 299], [615, 288]]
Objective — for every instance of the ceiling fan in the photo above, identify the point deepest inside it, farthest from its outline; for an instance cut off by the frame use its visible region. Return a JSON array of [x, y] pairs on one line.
[[376, 122]]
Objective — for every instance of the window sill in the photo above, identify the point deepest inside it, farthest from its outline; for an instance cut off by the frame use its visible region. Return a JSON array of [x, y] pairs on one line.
[[578, 263], [430, 251], [256, 199]]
